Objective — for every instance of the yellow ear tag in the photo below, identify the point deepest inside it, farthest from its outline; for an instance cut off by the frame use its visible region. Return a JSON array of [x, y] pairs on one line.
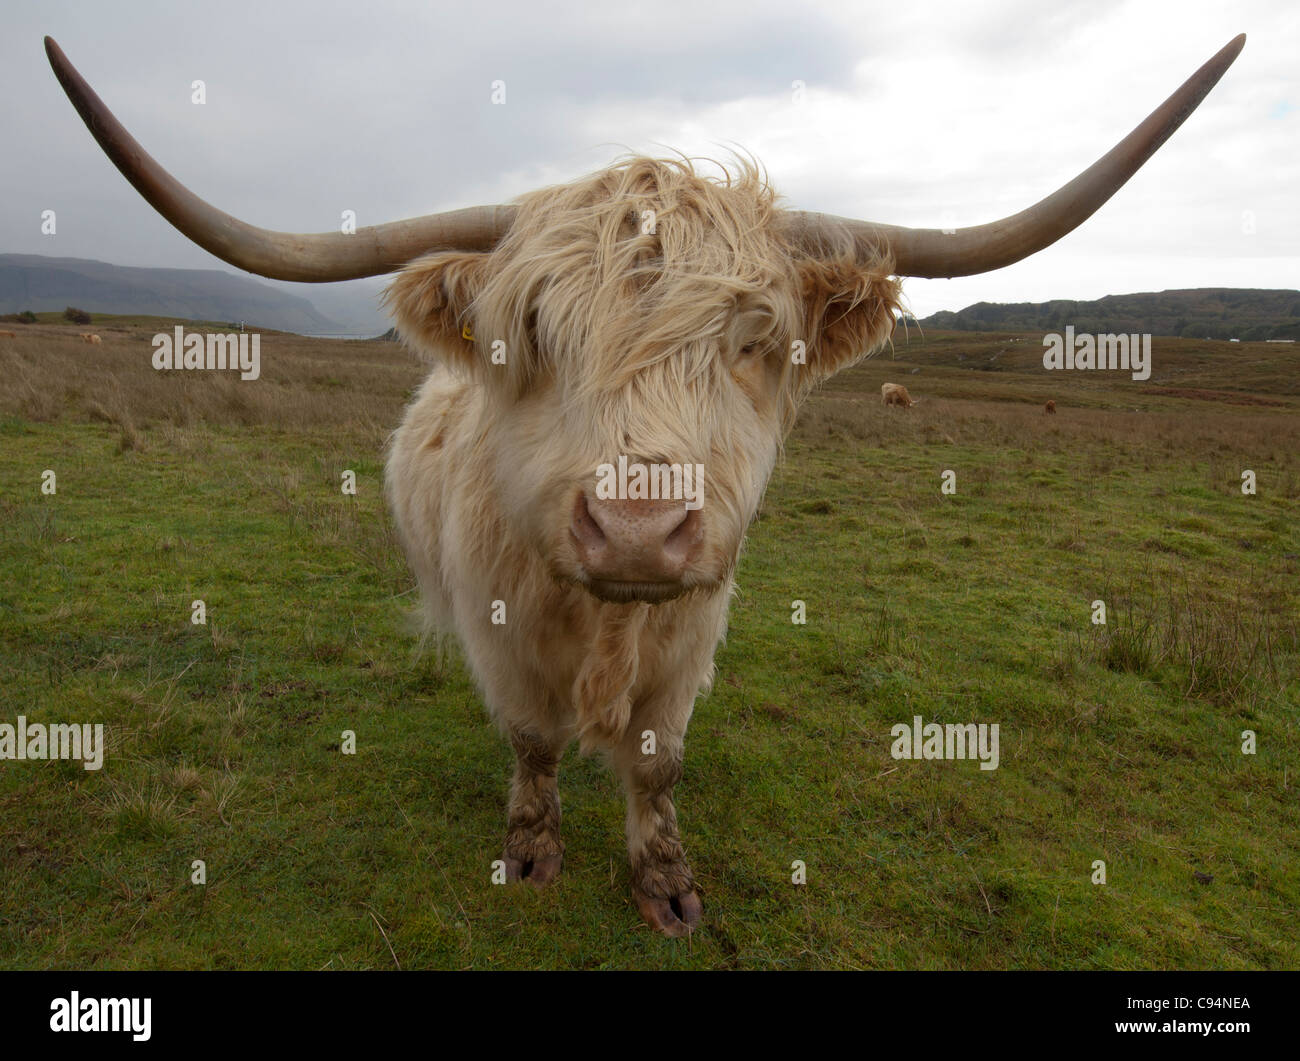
[[467, 334]]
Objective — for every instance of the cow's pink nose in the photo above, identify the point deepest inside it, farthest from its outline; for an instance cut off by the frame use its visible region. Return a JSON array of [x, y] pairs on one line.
[[635, 542]]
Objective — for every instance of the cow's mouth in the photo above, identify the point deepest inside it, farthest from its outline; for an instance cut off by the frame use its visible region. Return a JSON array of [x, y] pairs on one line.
[[614, 591]]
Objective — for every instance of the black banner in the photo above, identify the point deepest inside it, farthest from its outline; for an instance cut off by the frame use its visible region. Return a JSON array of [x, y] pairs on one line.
[[337, 1010]]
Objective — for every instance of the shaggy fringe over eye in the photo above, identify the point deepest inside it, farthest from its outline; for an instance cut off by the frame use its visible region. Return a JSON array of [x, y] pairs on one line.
[[635, 264]]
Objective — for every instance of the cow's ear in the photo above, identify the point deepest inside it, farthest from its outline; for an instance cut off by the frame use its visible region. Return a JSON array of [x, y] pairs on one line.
[[431, 300], [849, 310]]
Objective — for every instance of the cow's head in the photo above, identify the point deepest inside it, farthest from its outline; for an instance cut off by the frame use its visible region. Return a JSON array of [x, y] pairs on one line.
[[645, 313], [646, 323]]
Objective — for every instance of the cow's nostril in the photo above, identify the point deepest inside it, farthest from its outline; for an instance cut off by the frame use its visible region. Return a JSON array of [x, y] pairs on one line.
[[584, 526], [681, 542]]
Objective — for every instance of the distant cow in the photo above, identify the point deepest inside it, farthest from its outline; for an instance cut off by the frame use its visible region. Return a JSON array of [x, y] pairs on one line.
[[8, 335], [86, 337], [1050, 407], [896, 394]]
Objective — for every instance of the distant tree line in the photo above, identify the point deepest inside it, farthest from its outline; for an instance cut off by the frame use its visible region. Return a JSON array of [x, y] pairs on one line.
[[77, 316]]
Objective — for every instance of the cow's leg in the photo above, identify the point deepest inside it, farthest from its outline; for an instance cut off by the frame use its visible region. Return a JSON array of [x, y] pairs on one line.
[[534, 850], [662, 883]]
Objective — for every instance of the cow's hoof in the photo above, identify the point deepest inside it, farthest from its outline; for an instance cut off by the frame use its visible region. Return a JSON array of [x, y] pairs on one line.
[[539, 872], [675, 917]]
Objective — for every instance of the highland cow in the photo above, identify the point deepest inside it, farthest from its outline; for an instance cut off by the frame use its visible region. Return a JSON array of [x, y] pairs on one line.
[[895, 394], [567, 334]]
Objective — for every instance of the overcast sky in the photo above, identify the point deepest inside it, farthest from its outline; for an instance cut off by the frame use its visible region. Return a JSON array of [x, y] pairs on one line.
[[916, 114]]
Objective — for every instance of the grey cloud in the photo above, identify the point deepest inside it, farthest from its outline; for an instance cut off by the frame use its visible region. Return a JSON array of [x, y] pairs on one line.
[[384, 108]]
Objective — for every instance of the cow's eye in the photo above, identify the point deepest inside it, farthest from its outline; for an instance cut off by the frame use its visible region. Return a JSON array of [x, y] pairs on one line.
[[751, 349]]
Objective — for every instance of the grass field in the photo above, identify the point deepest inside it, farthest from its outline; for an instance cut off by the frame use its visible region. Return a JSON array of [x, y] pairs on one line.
[[1119, 743]]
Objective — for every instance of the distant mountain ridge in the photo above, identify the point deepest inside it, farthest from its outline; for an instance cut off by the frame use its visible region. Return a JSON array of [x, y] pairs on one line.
[[1248, 314], [37, 282]]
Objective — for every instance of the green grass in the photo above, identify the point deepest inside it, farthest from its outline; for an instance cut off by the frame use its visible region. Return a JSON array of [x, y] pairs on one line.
[[224, 739]]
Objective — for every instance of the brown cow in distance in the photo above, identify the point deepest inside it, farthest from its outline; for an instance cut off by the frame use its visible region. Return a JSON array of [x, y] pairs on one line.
[[6, 334], [896, 394], [583, 366], [1050, 407]]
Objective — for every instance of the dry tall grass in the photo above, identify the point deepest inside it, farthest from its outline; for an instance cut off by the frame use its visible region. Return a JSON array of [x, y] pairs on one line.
[[47, 373]]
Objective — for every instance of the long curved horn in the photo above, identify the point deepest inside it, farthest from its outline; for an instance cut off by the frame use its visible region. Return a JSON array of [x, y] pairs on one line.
[[932, 252], [317, 257]]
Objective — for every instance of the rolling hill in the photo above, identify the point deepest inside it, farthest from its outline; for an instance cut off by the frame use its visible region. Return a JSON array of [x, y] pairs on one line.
[[1247, 314], [37, 282]]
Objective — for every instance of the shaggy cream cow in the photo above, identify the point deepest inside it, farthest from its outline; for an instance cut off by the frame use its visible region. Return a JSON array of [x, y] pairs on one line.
[[895, 394], [569, 337]]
